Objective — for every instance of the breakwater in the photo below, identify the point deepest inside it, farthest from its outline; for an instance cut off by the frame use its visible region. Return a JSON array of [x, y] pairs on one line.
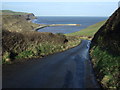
[[44, 25]]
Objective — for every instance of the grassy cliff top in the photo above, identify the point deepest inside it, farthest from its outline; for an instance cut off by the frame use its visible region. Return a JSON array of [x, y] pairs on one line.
[[17, 21], [9, 12]]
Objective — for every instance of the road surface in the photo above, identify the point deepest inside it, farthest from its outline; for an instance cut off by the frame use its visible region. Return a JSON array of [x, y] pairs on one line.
[[69, 69]]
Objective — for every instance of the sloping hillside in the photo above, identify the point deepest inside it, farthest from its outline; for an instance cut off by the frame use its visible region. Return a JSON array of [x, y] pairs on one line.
[[27, 16], [21, 41], [105, 52], [33, 45], [109, 34], [17, 21]]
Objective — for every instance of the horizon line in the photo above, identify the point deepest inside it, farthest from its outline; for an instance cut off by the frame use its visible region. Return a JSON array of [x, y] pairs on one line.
[[68, 16]]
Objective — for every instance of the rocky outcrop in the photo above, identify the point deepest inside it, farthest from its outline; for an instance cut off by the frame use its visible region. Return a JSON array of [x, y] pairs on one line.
[[29, 16]]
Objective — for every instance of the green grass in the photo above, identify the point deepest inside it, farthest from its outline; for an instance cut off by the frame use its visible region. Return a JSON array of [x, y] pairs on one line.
[[107, 67], [9, 12], [40, 50], [89, 31], [44, 49]]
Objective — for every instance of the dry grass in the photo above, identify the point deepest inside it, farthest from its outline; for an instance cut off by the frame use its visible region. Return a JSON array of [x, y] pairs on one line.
[[34, 44]]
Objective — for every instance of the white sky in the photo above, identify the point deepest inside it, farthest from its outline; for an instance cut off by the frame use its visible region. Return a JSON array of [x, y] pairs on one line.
[[60, 0]]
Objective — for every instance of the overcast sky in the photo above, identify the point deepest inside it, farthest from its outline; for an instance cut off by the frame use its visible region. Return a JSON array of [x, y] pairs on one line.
[[63, 7]]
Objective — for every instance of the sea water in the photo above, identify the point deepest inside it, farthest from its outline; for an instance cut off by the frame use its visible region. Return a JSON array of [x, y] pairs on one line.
[[83, 21]]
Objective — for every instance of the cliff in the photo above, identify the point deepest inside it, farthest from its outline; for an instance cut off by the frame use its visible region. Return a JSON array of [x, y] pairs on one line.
[[27, 16], [105, 52], [17, 21]]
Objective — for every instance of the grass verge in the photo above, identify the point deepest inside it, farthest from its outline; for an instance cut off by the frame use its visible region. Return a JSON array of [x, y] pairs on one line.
[[106, 67]]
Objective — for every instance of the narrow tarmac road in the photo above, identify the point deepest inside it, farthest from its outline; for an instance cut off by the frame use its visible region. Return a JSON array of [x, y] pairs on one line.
[[69, 69]]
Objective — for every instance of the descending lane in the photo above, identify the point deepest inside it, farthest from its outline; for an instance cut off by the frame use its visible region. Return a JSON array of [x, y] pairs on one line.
[[69, 69]]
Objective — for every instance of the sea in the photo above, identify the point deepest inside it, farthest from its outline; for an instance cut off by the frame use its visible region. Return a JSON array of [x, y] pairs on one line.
[[83, 21]]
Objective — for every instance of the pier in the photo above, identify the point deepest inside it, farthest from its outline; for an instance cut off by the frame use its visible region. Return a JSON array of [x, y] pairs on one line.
[[44, 25]]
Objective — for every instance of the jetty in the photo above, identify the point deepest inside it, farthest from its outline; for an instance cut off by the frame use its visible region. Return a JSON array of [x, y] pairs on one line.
[[50, 25], [64, 25]]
